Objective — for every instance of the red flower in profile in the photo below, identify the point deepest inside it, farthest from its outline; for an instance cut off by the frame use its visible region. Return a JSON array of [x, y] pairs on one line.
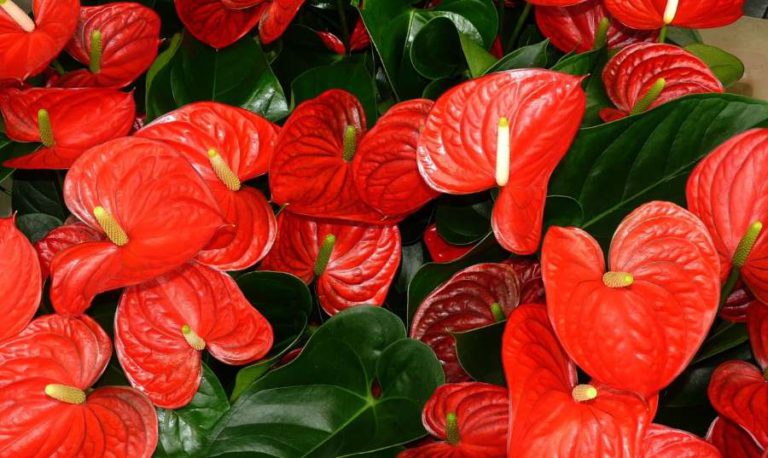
[[21, 281], [162, 326], [645, 75], [440, 250], [227, 146], [508, 129], [575, 28], [664, 442], [351, 264], [154, 209], [27, 46], [732, 440], [551, 415], [118, 42], [692, 14], [66, 121], [470, 419], [738, 304], [49, 409], [651, 301]]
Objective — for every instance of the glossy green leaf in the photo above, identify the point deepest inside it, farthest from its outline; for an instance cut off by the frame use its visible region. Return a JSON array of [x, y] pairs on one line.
[[10, 150], [158, 95], [302, 50], [479, 352], [529, 56], [461, 221], [727, 67], [354, 78], [683, 37], [723, 337], [39, 192], [36, 225], [590, 65], [478, 59]]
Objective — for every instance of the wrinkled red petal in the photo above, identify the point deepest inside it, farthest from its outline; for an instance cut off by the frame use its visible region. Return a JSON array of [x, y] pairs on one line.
[[138, 182], [211, 22], [664, 442], [457, 148], [573, 28], [384, 167], [127, 423], [276, 19], [361, 267], [661, 319], [433, 450], [332, 42], [463, 303], [25, 54], [727, 191], [631, 73], [738, 391], [732, 441], [531, 285], [130, 37], [738, 303], [80, 119], [692, 14], [440, 250], [62, 238], [21, 281]]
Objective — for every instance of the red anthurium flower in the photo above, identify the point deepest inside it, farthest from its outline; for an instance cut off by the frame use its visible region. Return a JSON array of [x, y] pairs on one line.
[[277, 18], [645, 75], [726, 190], [21, 281], [470, 419], [227, 146], [352, 264], [62, 238], [649, 310], [384, 167], [66, 121], [582, 27], [27, 46], [531, 285], [739, 392], [738, 303], [440, 250], [156, 212], [732, 441], [48, 408], [508, 129], [550, 414], [692, 14], [664, 442], [162, 326], [118, 42], [474, 297]]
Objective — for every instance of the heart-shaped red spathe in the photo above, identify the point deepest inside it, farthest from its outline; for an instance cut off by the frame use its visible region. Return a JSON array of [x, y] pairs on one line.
[[727, 191], [457, 149], [630, 75], [130, 36], [464, 302], [732, 441], [244, 143], [309, 172], [664, 442], [384, 167], [62, 238], [739, 392], [151, 194], [439, 249], [55, 350], [277, 18], [216, 25], [361, 266], [26, 54], [21, 281], [478, 425], [573, 28], [78, 119], [159, 358], [546, 420], [645, 327], [692, 14]]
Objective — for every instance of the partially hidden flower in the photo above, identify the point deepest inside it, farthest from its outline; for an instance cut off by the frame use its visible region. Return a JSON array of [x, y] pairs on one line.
[[692, 14], [20, 282]]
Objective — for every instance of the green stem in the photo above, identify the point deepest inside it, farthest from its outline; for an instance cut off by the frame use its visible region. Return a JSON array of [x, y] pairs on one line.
[[452, 429], [727, 289], [663, 35], [653, 93], [342, 7], [498, 313], [350, 143], [44, 126], [324, 254], [58, 67], [601, 35], [97, 48], [519, 26]]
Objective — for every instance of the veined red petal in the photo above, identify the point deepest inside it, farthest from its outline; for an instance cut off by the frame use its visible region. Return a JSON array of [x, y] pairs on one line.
[[277, 17], [738, 391], [126, 423], [62, 238], [21, 281], [732, 441], [757, 326], [738, 303], [213, 23], [664, 442], [692, 14]]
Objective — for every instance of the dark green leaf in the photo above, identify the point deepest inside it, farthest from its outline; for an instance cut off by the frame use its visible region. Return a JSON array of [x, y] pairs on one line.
[[529, 56], [463, 223], [10, 150], [722, 338], [727, 67], [479, 352], [302, 51], [39, 192], [683, 37], [589, 64], [158, 95], [354, 78], [36, 225]]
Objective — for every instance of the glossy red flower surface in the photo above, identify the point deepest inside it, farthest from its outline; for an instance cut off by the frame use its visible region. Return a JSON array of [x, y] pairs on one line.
[[351, 264], [738, 303], [332, 42], [440, 250], [27, 53], [664, 442], [551, 416], [162, 326], [574, 28], [656, 300], [227, 146], [474, 297], [117, 41], [358, 40], [276, 19], [727, 191], [645, 75], [21, 281], [213, 23], [156, 212], [692, 14], [469, 418], [457, 149], [738, 391], [66, 121], [732, 440], [48, 408], [62, 238], [384, 167]]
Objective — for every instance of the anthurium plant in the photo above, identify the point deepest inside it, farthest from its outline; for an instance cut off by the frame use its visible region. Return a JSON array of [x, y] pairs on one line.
[[379, 229]]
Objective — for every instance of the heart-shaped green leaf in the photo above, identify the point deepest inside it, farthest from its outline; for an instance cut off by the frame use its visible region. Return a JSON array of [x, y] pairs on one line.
[[479, 352]]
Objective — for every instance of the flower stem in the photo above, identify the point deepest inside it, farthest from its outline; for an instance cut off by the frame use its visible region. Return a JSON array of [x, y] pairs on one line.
[[519, 26]]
